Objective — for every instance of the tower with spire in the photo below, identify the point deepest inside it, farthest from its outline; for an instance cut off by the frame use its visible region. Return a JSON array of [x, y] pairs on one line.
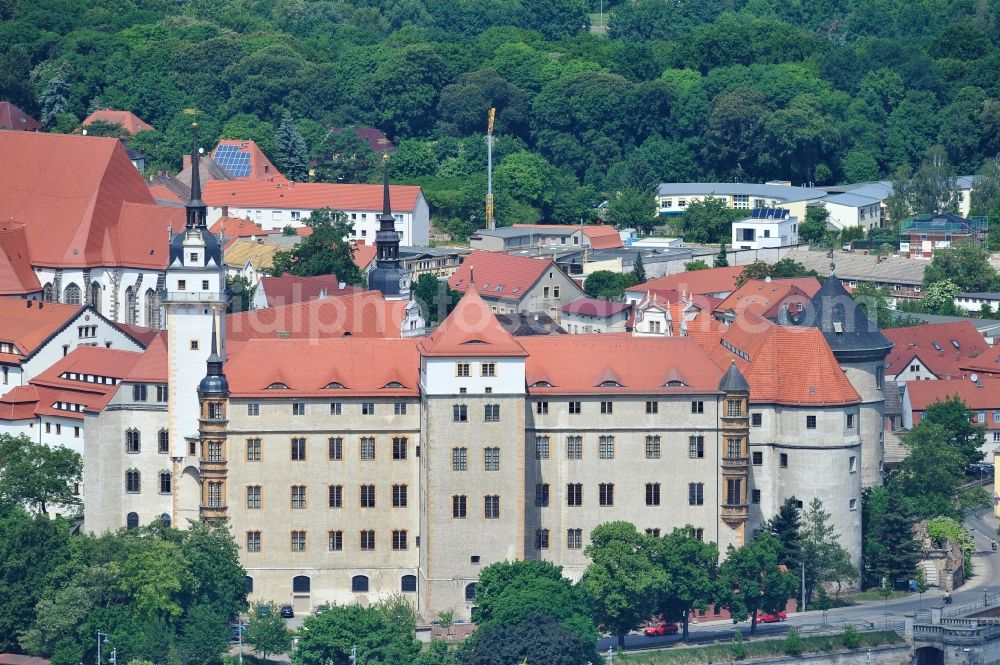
[[388, 277], [213, 396], [194, 301]]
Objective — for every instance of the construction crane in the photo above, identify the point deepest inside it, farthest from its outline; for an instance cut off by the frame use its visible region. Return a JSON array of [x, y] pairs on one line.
[[490, 224]]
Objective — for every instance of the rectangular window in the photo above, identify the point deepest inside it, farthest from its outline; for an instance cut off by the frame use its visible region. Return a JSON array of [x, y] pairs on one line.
[[757, 457], [367, 539], [696, 494], [574, 447], [734, 448], [298, 408], [459, 459], [810, 422], [734, 493], [541, 408], [253, 450], [458, 506], [850, 421], [253, 541], [335, 496], [488, 369], [696, 447], [368, 408], [460, 413], [204, 285], [542, 495], [545, 292], [652, 407], [492, 413], [606, 494], [697, 407], [653, 532], [399, 496], [853, 504], [399, 408], [399, 539], [367, 496], [981, 417], [699, 534], [783, 460], [653, 447], [574, 494], [852, 464], [253, 497], [368, 447], [298, 497], [491, 507], [335, 447], [541, 539], [555, 289], [652, 494], [574, 539], [461, 369], [298, 449], [755, 496], [335, 541], [734, 408], [541, 447], [756, 420], [607, 447], [996, 416], [491, 459], [574, 408], [399, 445], [253, 409], [607, 407], [298, 541], [336, 408], [139, 393]]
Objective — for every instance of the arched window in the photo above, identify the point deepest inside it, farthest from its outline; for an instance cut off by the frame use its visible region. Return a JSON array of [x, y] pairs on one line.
[[95, 296], [132, 520], [132, 441], [71, 296], [47, 293], [359, 584], [408, 584], [165, 518], [470, 592], [249, 584], [152, 306], [163, 441], [165, 482], [130, 313], [301, 584], [133, 481]]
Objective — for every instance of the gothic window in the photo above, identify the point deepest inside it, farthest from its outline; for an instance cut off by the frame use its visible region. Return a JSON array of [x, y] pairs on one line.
[[133, 481], [132, 441], [152, 307], [165, 482], [47, 293], [72, 295], [130, 313], [95, 296]]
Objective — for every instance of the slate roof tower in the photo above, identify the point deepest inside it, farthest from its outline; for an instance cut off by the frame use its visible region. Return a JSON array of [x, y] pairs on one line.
[[389, 277]]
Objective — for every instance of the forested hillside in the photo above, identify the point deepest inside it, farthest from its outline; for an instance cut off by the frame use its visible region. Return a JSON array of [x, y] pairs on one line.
[[818, 91]]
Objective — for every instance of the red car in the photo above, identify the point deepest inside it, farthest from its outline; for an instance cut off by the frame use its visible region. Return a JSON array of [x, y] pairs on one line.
[[662, 628], [772, 618]]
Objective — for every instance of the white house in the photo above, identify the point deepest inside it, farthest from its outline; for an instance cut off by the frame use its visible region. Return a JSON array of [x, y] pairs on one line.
[[764, 228], [673, 198], [850, 209], [973, 302]]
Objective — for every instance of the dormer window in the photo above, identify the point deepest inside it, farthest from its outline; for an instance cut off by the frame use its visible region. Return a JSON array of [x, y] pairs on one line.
[[394, 384], [541, 384], [333, 385], [610, 384], [675, 384], [277, 385], [194, 257]]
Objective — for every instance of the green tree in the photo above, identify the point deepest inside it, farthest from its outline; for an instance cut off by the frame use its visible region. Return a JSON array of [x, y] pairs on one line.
[[328, 251], [693, 568], [825, 560], [934, 188], [813, 229], [752, 580], [756, 270], [248, 126], [110, 129], [436, 298], [939, 298], [203, 635], [793, 645], [785, 527], [53, 100], [605, 284], [382, 633], [788, 268], [708, 221], [240, 292], [929, 477], [633, 208], [36, 475], [889, 546], [292, 152], [698, 264], [721, 261], [964, 264], [942, 529], [623, 578], [952, 414], [639, 269], [539, 638], [266, 630]]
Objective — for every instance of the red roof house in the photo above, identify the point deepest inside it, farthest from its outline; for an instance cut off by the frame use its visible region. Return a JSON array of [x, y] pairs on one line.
[[126, 119], [718, 282], [15, 119]]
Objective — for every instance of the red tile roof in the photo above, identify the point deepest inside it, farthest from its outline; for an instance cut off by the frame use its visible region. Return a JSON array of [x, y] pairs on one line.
[[290, 289], [82, 202], [14, 118], [143, 335], [713, 281], [595, 307], [364, 255], [603, 236], [128, 120], [261, 168], [375, 138], [19, 403], [152, 366], [471, 330], [28, 324], [766, 297], [580, 364], [503, 276], [982, 397], [233, 228], [16, 274], [280, 193], [161, 192], [362, 366], [944, 360], [361, 314]]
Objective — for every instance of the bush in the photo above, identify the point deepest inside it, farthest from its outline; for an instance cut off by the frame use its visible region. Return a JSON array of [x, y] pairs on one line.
[[737, 646], [793, 643], [851, 637]]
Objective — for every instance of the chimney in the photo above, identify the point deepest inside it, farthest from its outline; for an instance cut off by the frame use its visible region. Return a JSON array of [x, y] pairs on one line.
[[187, 161]]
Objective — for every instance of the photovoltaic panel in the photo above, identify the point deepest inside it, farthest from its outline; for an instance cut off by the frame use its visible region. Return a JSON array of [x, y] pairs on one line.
[[236, 162]]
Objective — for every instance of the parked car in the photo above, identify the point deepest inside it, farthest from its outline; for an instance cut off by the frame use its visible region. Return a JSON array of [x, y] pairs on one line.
[[772, 618], [662, 628], [287, 612]]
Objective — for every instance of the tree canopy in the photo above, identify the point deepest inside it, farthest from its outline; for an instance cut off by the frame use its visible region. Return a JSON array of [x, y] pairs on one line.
[[327, 251]]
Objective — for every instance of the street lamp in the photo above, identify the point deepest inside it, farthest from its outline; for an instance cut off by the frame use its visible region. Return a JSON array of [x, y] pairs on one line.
[[102, 638]]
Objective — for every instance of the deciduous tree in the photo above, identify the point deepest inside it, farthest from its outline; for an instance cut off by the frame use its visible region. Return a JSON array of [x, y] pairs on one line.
[[36, 475], [693, 569], [328, 251], [752, 580], [267, 632]]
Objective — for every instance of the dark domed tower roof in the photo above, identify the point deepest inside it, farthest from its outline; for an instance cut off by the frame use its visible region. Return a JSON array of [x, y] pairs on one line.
[[389, 276], [733, 381], [852, 336], [215, 382]]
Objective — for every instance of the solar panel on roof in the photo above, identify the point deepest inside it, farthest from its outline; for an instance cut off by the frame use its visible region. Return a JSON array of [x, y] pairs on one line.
[[236, 162]]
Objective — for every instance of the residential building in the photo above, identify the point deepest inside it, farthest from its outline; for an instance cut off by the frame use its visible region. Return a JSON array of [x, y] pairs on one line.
[[764, 228], [901, 277], [849, 210], [973, 302], [13, 118], [127, 120], [241, 160], [923, 234], [291, 289], [591, 315], [665, 313], [436, 261], [715, 282], [767, 297], [545, 237], [939, 351], [516, 284], [673, 198], [981, 397]]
